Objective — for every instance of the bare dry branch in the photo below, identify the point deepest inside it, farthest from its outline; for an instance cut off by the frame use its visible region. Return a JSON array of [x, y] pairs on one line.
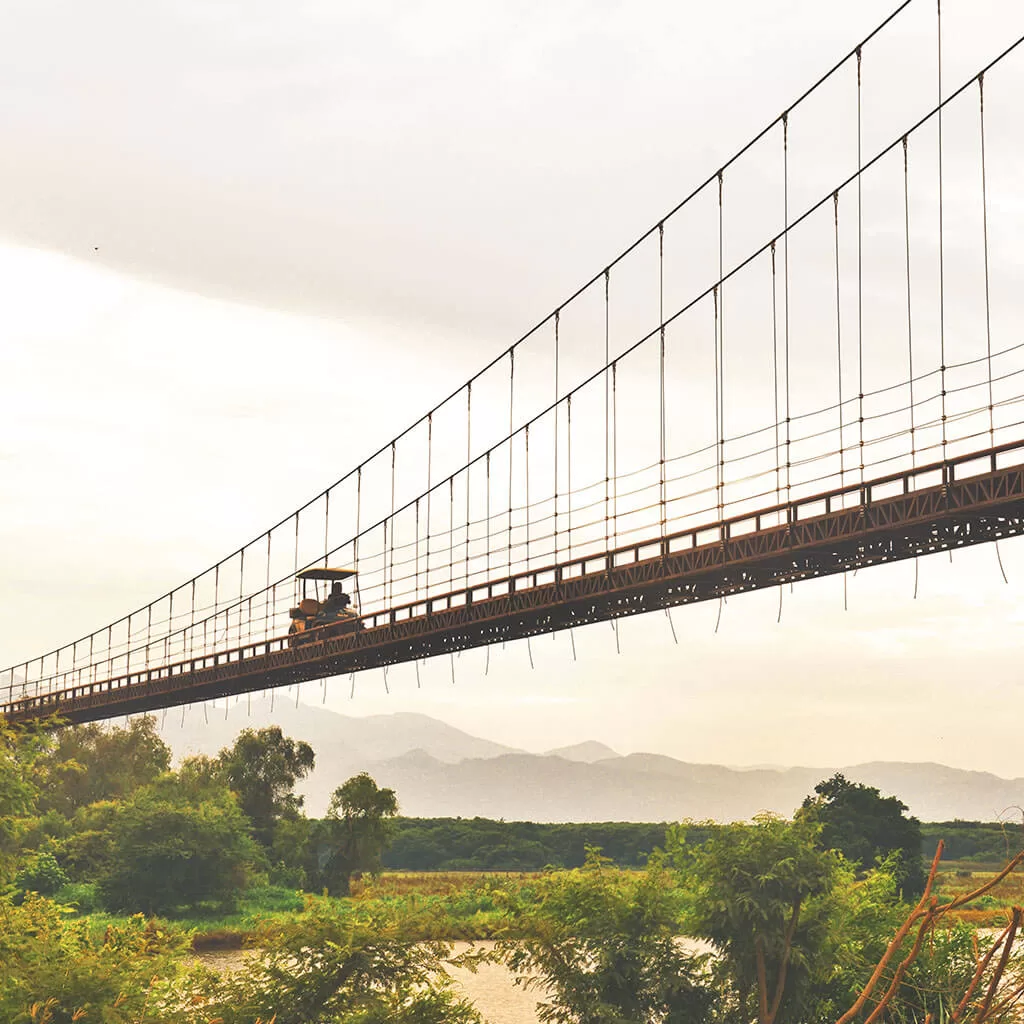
[[998, 973], [897, 940], [983, 963]]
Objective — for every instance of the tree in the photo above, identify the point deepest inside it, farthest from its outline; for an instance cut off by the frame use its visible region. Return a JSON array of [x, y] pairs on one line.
[[262, 768], [600, 944], [91, 762], [169, 852], [755, 893], [866, 828], [20, 751], [353, 835]]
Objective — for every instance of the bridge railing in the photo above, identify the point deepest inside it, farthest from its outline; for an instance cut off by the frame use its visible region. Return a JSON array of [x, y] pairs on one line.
[[378, 626]]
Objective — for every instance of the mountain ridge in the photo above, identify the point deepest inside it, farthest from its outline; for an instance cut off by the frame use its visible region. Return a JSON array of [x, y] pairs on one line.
[[438, 770]]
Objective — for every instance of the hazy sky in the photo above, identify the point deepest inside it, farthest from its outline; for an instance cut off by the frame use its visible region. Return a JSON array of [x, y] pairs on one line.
[[243, 246]]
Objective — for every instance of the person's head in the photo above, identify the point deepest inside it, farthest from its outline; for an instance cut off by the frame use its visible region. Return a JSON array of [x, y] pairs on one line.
[[336, 590]]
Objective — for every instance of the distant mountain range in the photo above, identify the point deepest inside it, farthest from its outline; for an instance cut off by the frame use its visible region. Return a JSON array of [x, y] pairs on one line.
[[440, 771]]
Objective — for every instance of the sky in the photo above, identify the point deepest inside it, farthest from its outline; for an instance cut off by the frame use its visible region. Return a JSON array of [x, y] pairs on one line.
[[241, 249]]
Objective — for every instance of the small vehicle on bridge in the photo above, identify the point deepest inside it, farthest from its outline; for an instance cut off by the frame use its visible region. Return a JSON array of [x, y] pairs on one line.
[[313, 619]]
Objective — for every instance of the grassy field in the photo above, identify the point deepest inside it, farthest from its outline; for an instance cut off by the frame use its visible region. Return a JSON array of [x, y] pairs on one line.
[[467, 904], [989, 911], [433, 883], [448, 905]]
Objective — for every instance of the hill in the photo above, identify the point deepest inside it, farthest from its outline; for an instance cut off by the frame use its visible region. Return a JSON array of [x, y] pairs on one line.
[[588, 752], [440, 771]]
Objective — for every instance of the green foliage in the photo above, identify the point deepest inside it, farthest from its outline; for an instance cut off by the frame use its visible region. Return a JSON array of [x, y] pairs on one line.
[[481, 844], [262, 767], [82, 896], [982, 842], [939, 976], [755, 892], [600, 943], [88, 763], [865, 827], [171, 854], [287, 852], [341, 963], [42, 875], [353, 835], [57, 970], [20, 752], [88, 852]]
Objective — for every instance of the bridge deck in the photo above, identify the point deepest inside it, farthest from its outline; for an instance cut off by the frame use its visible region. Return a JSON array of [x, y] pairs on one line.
[[962, 501]]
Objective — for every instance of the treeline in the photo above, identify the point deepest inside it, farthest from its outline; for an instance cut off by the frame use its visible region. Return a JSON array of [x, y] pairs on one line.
[[484, 844], [984, 842]]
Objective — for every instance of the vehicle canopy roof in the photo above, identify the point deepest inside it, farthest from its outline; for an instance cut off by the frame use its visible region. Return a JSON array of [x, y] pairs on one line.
[[323, 573]]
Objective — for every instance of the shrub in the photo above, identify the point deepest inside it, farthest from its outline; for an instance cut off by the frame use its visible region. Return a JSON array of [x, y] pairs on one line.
[[601, 944], [341, 961], [172, 856], [42, 875], [83, 896], [57, 969]]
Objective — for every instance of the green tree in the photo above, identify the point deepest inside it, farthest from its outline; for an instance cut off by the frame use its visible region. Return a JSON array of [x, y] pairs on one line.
[[600, 943], [353, 835], [262, 767], [168, 852], [88, 763], [20, 751], [42, 874], [87, 853], [756, 893], [867, 827]]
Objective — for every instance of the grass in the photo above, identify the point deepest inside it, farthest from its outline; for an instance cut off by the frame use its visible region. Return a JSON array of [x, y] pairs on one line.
[[989, 911], [213, 927], [451, 905], [468, 905], [432, 883]]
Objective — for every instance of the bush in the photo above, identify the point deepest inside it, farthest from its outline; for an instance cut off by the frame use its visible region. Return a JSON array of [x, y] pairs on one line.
[[42, 875], [57, 969], [600, 944], [341, 962], [83, 896], [271, 899], [287, 876], [174, 856]]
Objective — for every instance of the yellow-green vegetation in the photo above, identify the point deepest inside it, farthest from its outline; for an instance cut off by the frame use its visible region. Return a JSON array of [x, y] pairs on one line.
[[54, 968], [804, 921], [432, 883], [992, 910]]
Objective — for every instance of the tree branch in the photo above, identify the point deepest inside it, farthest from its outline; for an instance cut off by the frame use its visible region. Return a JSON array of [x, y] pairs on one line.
[[983, 963], [897, 940], [998, 973], [762, 982], [780, 983]]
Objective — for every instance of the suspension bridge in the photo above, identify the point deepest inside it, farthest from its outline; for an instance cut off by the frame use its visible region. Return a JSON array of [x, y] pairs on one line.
[[811, 365]]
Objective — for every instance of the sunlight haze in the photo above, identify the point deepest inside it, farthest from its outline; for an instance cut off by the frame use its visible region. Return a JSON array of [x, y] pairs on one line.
[[239, 255]]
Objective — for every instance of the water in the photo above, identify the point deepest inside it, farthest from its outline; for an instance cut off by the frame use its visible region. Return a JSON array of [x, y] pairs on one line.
[[491, 988]]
